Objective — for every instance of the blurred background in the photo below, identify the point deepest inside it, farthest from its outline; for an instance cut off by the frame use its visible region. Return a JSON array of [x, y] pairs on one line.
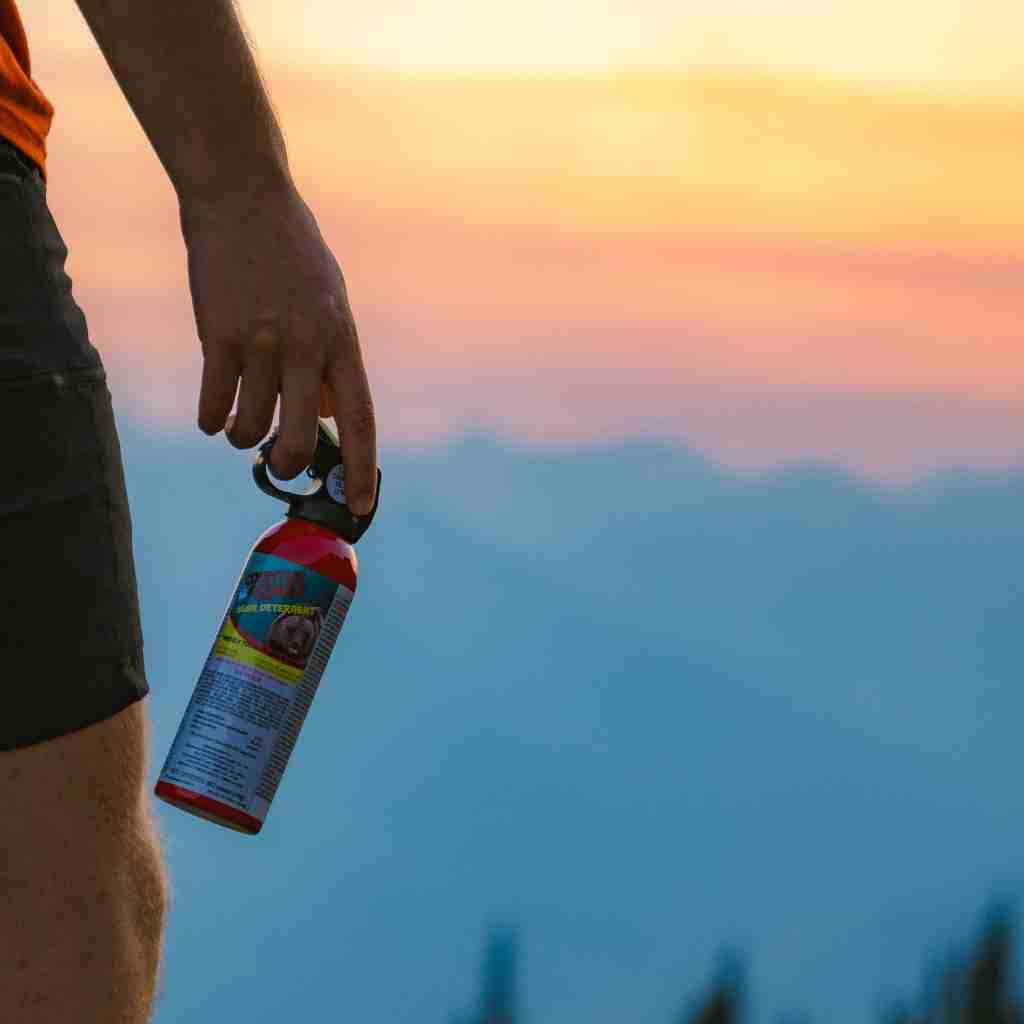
[[689, 626]]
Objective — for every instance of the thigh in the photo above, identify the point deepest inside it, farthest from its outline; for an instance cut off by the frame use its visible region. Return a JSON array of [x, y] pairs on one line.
[[81, 875], [75, 817], [67, 798]]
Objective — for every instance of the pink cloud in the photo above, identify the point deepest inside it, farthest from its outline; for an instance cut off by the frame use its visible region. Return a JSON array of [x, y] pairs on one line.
[[580, 302]]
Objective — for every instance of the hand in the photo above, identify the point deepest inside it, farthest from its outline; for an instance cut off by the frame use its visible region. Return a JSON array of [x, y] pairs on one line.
[[271, 308]]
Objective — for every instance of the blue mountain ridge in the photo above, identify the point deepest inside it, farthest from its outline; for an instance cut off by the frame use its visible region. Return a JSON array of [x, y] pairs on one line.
[[639, 706]]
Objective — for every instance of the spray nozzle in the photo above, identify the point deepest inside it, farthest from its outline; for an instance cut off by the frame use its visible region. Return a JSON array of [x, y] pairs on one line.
[[325, 503]]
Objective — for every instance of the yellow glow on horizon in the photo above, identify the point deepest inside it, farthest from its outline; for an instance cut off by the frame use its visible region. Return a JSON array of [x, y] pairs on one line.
[[656, 156], [929, 44]]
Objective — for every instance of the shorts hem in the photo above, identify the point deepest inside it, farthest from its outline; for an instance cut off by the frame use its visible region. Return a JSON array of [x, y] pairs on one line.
[[109, 686]]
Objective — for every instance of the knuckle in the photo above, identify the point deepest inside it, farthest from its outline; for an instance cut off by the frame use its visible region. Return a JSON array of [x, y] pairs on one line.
[[265, 339]]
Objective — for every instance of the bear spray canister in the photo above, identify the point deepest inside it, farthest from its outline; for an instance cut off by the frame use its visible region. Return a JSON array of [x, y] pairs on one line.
[[277, 633]]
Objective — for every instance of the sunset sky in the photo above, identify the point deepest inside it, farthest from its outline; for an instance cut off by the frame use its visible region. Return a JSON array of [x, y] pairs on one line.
[[779, 720], [772, 230]]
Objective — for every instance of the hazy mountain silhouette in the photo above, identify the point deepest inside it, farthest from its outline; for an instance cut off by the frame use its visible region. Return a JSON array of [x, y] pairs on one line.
[[643, 707]]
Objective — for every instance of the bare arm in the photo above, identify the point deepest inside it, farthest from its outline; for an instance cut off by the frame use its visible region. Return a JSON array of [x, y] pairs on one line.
[[268, 295]]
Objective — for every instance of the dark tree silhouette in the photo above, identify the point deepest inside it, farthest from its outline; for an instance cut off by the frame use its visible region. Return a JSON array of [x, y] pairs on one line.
[[724, 1004], [980, 990], [499, 981]]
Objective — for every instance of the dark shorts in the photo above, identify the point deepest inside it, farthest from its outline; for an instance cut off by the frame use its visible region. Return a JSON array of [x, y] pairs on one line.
[[70, 636]]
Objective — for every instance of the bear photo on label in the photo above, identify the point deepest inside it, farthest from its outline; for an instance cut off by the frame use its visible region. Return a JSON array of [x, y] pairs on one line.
[[293, 636]]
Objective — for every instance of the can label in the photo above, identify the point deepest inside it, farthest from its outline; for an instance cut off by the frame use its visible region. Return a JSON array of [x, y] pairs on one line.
[[258, 683]]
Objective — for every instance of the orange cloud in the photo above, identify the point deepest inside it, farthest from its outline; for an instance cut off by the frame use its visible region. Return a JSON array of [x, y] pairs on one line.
[[571, 257]]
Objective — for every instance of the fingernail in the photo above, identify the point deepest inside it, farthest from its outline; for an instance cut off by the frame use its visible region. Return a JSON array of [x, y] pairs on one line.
[[360, 504]]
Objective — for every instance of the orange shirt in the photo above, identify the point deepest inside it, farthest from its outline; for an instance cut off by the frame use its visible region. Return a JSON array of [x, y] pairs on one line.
[[25, 113]]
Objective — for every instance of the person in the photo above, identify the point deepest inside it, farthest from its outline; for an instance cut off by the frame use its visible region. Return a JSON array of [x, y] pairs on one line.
[[84, 887]]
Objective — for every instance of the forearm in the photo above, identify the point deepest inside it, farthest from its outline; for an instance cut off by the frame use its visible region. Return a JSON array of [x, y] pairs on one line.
[[190, 78]]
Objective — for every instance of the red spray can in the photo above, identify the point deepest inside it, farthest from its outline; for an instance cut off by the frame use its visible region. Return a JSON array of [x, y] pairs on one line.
[[278, 631]]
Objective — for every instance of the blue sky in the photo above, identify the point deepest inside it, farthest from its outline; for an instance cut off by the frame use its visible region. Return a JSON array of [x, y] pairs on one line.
[[776, 714]]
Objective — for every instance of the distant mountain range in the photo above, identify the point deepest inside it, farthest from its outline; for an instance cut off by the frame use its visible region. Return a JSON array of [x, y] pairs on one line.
[[640, 708]]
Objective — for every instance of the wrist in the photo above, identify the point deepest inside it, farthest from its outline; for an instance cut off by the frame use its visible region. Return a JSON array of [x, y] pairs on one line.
[[210, 197]]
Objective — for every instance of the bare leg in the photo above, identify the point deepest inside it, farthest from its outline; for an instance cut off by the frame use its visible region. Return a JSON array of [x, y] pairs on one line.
[[83, 889]]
